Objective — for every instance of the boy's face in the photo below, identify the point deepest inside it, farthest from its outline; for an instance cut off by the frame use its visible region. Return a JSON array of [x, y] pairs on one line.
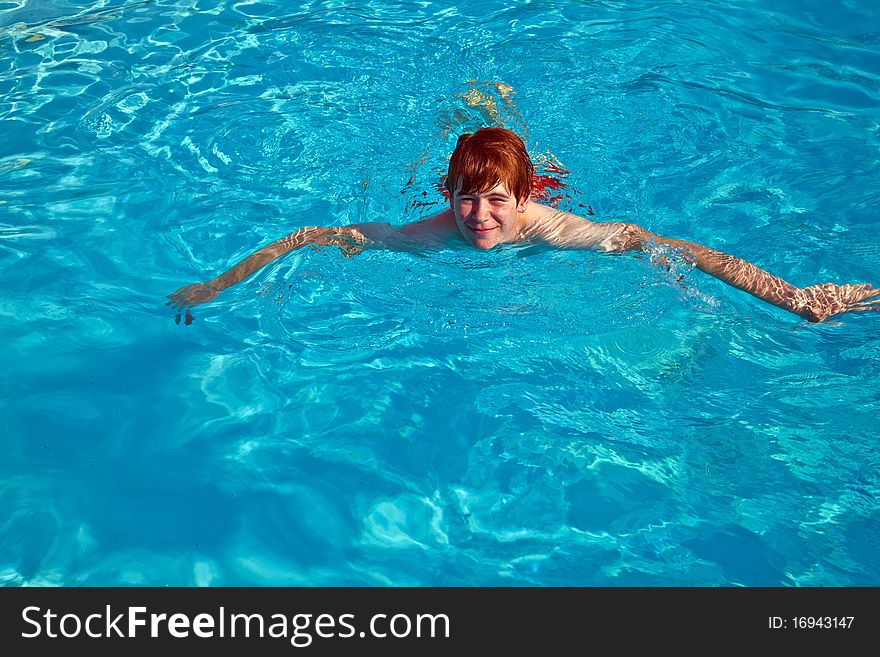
[[488, 218]]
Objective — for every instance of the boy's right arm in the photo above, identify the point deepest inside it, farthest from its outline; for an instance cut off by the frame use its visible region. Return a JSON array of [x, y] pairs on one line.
[[350, 240]]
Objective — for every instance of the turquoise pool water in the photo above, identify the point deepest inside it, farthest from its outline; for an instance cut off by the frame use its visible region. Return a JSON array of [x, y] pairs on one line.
[[458, 418]]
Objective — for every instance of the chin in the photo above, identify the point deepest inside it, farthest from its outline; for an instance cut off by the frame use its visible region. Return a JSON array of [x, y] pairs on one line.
[[484, 245]]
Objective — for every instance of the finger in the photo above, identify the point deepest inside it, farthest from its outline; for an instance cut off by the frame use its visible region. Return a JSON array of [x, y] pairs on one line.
[[864, 305], [873, 297]]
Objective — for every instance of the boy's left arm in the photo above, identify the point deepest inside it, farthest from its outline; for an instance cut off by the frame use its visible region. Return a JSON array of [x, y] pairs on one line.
[[814, 303]]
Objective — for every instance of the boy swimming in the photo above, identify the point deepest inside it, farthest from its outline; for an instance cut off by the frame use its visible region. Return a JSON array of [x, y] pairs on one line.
[[489, 183]]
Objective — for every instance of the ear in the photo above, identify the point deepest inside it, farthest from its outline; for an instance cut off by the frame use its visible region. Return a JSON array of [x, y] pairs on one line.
[[523, 204]]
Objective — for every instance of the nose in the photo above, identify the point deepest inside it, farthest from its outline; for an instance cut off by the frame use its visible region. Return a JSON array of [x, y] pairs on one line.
[[481, 210]]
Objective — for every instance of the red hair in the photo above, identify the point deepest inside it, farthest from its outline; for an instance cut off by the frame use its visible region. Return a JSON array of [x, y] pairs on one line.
[[488, 157]]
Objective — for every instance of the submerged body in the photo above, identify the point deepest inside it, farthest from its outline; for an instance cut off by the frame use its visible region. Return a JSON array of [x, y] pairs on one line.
[[489, 184]]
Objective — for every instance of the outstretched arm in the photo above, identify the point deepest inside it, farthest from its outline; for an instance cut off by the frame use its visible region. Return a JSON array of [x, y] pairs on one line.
[[351, 240], [814, 303]]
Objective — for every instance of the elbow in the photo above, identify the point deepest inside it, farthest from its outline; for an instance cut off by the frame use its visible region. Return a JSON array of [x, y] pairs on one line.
[[630, 238]]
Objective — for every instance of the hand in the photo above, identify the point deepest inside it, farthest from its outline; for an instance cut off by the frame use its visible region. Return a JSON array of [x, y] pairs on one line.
[[192, 295], [819, 302]]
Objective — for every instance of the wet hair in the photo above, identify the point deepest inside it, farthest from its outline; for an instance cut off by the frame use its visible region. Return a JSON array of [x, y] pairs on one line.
[[488, 157]]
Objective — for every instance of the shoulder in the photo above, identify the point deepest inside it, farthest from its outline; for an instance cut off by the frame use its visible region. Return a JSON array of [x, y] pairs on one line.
[[570, 231], [436, 225]]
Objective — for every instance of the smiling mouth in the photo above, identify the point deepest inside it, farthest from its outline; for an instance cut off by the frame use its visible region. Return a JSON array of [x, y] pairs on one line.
[[480, 231]]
